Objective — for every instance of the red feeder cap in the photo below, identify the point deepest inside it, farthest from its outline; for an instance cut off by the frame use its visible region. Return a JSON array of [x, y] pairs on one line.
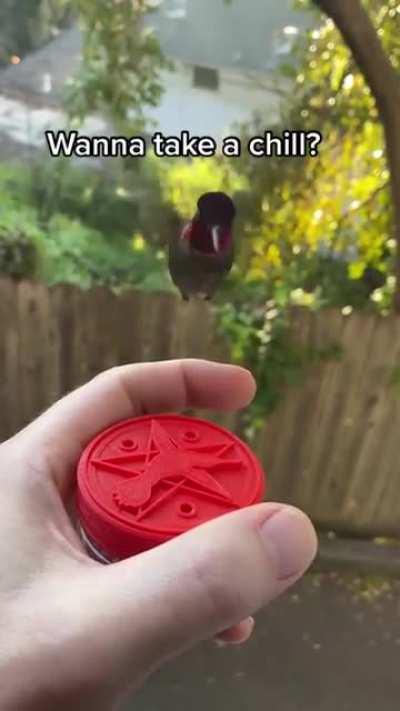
[[148, 479]]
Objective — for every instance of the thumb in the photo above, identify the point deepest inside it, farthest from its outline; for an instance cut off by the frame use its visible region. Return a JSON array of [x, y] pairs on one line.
[[149, 608]]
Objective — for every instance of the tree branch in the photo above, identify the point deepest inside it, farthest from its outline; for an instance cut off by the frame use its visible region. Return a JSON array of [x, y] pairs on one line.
[[361, 37], [350, 214]]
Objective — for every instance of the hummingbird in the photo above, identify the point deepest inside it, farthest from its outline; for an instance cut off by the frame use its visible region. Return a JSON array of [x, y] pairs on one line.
[[203, 253]]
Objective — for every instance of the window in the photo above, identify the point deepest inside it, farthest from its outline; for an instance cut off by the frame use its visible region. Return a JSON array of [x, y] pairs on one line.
[[284, 40], [206, 78], [176, 10]]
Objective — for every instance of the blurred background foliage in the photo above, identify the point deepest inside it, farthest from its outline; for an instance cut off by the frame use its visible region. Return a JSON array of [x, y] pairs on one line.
[[314, 232], [81, 225], [122, 61]]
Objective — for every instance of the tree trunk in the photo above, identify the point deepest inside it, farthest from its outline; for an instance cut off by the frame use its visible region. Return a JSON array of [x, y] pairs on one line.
[[358, 32]]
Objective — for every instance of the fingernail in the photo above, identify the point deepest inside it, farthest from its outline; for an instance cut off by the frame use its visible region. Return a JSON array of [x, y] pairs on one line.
[[251, 622], [236, 636], [291, 536]]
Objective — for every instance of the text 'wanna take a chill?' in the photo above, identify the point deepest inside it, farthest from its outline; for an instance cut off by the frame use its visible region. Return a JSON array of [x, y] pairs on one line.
[[290, 144]]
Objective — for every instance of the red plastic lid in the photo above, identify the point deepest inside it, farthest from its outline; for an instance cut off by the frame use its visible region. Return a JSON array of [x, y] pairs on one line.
[[151, 478]]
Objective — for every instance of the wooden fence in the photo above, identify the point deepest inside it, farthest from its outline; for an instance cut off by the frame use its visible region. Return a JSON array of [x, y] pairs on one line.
[[332, 447]]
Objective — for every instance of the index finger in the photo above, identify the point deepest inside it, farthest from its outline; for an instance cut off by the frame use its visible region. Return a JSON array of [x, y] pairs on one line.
[[129, 391]]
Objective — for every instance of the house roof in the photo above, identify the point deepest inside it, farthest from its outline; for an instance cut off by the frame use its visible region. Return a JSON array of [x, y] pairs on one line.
[[246, 35], [43, 73], [233, 34]]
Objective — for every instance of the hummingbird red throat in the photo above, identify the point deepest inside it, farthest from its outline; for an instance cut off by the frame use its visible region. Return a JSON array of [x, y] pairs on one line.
[[203, 253]]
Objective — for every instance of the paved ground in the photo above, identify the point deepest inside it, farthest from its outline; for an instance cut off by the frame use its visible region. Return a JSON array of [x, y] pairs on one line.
[[331, 645]]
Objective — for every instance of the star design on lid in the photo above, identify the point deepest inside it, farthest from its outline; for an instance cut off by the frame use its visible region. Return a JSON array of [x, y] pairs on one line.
[[189, 466]]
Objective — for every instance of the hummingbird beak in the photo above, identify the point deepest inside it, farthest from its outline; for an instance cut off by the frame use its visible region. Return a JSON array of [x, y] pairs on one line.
[[216, 237]]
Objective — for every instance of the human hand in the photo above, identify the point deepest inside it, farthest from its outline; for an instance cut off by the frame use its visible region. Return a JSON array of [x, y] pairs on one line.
[[77, 634]]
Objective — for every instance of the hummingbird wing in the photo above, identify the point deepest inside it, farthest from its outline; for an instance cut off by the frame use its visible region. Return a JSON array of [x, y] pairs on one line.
[[193, 271]]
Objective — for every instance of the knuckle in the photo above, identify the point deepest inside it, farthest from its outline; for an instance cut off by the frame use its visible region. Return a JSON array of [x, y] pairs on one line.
[[110, 374], [213, 573]]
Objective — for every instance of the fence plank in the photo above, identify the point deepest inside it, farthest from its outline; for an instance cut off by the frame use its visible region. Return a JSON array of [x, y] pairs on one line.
[[10, 401], [331, 446]]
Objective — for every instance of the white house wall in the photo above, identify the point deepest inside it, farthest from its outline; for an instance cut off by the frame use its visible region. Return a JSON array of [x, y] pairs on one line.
[[207, 112]]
